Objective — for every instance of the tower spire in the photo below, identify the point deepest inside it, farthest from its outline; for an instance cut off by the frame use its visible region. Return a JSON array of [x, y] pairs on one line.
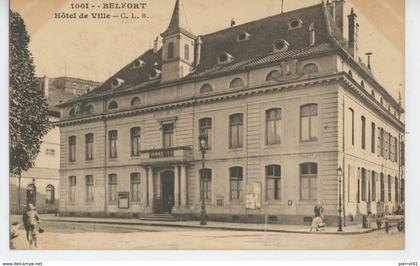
[[178, 23]]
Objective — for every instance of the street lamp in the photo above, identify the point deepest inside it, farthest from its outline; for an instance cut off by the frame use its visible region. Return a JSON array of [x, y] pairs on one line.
[[203, 146], [340, 220]]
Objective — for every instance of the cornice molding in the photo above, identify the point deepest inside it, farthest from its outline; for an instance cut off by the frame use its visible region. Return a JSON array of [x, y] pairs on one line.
[[342, 77]]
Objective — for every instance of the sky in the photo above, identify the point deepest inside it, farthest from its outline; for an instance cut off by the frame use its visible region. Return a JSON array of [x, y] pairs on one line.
[[95, 49]]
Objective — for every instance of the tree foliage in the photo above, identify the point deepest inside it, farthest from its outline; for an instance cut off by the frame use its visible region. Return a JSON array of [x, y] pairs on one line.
[[28, 110]]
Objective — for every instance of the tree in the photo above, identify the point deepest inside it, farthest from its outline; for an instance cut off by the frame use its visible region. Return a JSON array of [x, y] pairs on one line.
[[28, 110]]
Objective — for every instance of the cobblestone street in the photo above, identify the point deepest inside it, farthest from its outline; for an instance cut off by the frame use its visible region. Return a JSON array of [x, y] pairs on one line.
[[93, 236]]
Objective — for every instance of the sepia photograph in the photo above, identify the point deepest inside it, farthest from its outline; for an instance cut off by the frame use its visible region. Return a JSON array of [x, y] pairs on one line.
[[207, 125]]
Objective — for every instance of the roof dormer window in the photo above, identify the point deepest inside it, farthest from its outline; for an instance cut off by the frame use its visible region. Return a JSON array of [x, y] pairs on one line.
[[244, 36], [225, 58], [154, 74], [138, 63], [295, 24], [280, 46], [116, 82]]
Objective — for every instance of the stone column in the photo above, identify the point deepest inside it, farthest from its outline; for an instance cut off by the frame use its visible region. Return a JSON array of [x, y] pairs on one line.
[[176, 186], [183, 186], [150, 186]]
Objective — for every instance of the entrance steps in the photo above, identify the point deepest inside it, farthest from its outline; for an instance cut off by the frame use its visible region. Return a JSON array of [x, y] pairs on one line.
[[166, 217]]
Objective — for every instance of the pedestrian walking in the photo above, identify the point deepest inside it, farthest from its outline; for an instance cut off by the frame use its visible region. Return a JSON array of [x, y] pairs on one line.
[[317, 222], [33, 220]]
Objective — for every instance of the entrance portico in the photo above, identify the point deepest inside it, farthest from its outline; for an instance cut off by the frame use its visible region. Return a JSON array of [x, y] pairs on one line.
[[166, 188]]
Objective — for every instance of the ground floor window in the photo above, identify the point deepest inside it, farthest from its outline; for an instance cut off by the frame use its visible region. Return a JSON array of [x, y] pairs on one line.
[[308, 178], [205, 184], [50, 194], [273, 182], [72, 188], [112, 187], [236, 179], [135, 187], [89, 187]]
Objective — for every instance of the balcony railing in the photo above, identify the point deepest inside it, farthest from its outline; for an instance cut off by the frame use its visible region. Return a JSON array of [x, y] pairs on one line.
[[167, 155]]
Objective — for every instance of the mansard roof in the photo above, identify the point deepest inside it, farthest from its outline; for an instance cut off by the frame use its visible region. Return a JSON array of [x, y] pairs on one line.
[[255, 52]]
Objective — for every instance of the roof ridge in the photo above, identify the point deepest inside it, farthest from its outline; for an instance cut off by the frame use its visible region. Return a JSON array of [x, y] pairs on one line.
[[259, 20]]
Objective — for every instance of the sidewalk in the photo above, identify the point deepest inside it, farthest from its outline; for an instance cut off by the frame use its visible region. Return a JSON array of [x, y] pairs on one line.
[[212, 225]]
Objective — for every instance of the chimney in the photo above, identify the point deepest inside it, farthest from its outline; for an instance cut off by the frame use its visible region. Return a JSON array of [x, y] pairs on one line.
[[46, 84], [199, 42], [336, 9], [312, 34], [353, 32], [155, 45]]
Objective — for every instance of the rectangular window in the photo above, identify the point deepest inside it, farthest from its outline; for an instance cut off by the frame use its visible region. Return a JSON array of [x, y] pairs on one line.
[[168, 135], [236, 179], [396, 190], [402, 153], [205, 130], [235, 130], [72, 188], [363, 133], [205, 184], [273, 126], [382, 139], [308, 122], [308, 177], [72, 148], [382, 187], [390, 148], [89, 187], [389, 188], [89, 146], [352, 126], [135, 188], [364, 185], [113, 138], [135, 141], [373, 185], [395, 150], [112, 187], [273, 179], [373, 138]]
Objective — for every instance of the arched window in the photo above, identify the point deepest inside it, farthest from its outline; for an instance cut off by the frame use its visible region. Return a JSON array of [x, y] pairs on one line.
[[310, 68], [90, 109], [206, 88], [205, 184], [308, 122], [350, 73], [49, 194], [362, 83], [308, 179], [273, 126], [235, 130], [112, 105], [72, 112], [372, 93], [186, 52], [236, 83], [273, 182], [135, 101], [112, 187], [273, 75], [135, 188], [236, 180], [206, 130], [382, 101], [171, 50]]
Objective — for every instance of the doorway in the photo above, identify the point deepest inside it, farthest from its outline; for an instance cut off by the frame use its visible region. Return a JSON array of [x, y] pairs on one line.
[[167, 191]]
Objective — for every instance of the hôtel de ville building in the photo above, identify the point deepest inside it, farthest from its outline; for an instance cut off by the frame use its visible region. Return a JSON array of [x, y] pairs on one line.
[[291, 116]]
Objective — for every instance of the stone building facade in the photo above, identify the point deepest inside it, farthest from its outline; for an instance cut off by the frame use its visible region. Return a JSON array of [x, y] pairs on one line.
[[284, 102], [40, 184]]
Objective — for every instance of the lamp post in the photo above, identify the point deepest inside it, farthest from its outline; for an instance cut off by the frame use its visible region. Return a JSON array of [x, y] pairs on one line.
[[203, 146], [340, 219]]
